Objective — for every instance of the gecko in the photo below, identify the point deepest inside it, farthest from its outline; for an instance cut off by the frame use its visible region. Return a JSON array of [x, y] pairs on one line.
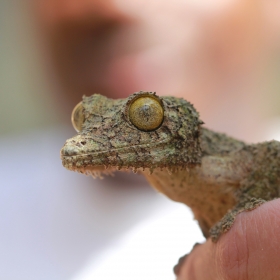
[[163, 138]]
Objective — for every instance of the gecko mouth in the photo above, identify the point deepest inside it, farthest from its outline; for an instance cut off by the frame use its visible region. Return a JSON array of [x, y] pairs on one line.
[[71, 150], [95, 163]]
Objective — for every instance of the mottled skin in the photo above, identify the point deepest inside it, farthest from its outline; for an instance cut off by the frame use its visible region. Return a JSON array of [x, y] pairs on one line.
[[215, 175]]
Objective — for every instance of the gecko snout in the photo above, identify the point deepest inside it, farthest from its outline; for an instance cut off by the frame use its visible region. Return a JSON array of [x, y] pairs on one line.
[[69, 150]]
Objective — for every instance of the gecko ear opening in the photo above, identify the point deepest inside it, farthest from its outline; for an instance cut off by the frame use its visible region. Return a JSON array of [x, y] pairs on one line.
[[146, 112], [77, 117]]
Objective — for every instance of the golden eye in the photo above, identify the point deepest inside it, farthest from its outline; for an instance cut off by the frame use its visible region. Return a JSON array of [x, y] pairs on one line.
[[146, 113], [77, 117]]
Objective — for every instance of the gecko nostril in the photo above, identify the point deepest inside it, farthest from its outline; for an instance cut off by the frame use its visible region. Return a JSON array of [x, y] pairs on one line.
[[83, 142], [69, 151]]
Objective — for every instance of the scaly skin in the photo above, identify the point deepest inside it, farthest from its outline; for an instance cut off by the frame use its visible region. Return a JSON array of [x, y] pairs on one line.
[[215, 175]]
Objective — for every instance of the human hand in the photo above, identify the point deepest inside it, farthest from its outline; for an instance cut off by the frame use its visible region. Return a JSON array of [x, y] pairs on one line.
[[250, 250]]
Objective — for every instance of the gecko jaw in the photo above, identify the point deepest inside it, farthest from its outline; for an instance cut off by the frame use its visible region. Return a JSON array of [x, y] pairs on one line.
[[84, 166], [99, 171]]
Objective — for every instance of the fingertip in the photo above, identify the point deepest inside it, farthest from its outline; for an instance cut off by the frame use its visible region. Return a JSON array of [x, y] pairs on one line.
[[199, 263], [249, 250]]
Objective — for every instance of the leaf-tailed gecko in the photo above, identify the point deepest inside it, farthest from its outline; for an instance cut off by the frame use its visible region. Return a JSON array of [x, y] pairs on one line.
[[163, 138]]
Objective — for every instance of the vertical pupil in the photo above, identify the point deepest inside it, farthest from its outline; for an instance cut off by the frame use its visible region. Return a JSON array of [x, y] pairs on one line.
[[146, 113]]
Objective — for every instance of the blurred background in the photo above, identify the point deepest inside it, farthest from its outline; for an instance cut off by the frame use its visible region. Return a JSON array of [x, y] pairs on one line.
[[223, 56]]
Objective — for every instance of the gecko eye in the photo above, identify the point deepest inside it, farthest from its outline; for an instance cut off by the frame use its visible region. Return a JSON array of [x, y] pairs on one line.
[[77, 117], [146, 113]]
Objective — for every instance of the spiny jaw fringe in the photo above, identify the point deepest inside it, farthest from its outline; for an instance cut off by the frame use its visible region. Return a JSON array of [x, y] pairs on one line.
[[99, 172], [96, 172]]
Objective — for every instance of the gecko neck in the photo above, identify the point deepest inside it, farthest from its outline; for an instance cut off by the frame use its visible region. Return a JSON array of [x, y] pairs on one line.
[[208, 188]]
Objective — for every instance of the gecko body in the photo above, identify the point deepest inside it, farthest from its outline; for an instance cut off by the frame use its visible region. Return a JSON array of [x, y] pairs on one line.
[[163, 138]]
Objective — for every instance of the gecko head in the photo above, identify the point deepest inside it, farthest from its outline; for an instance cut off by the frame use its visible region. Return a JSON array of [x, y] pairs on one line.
[[141, 131]]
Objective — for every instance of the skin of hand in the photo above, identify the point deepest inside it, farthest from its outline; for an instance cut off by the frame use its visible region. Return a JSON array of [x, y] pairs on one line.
[[250, 250]]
